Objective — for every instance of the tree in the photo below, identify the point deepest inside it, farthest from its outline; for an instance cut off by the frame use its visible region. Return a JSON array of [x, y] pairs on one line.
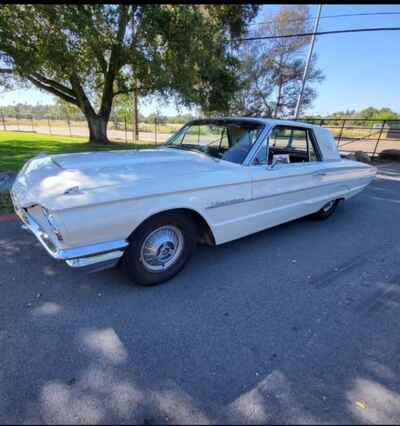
[[378, 114], [256, 85], [386, 114], [124, 109], [87, 54], [66, 109], [272, 69]]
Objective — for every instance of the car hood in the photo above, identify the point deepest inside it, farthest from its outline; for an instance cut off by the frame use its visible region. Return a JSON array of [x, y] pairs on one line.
[[46, 178]]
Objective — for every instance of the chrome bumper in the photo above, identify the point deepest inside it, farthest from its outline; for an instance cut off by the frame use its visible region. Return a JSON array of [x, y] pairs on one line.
[[93, 257]]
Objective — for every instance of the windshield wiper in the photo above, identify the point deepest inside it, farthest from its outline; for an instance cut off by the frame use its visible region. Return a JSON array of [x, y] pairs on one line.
[[171, 145]]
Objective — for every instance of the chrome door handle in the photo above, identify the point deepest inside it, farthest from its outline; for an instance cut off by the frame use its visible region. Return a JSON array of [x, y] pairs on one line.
[[319, 174]]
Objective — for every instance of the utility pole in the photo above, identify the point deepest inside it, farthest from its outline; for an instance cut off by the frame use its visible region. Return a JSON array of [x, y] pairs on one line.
[[310, 51], [136, 114]]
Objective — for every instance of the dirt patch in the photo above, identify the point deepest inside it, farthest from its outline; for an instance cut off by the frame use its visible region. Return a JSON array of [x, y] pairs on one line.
[[6, 206], [6, 180]]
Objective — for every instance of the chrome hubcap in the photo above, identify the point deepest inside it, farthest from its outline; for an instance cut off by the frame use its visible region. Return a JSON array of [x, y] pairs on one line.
[[162, 248], [328, 206]]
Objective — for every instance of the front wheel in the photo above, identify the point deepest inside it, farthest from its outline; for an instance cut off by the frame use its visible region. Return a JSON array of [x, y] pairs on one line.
[[159, 248]]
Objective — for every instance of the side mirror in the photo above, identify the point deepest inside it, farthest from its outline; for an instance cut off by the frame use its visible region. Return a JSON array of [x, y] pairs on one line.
[[280, 159]]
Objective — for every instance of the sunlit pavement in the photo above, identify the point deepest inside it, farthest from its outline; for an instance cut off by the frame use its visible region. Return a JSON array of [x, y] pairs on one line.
[[297, 324]]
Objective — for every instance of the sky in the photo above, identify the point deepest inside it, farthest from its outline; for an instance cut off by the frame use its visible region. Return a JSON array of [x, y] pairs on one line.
[[361, 69]]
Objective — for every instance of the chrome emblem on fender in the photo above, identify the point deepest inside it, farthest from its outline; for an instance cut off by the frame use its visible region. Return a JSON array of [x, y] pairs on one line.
[[217, 204]]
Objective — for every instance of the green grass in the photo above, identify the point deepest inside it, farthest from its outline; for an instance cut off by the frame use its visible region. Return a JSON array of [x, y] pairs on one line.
[[16, 148]]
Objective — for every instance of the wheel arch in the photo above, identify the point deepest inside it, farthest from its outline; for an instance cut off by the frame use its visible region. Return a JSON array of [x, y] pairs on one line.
[[205, 233]]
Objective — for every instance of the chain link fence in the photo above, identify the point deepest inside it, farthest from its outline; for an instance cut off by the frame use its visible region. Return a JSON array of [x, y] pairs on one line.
[[120, 131], [368, 135], [356, 134]]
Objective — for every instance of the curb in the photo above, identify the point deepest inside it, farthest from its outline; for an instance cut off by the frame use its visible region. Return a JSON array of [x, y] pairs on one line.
[[8, 218]]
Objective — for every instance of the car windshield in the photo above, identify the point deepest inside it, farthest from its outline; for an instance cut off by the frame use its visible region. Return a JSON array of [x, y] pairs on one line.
[[228, 140]]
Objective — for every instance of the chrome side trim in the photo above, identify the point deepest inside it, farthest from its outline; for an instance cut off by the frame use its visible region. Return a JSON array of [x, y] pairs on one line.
[[241, 201], [327, 172], [217, 204]]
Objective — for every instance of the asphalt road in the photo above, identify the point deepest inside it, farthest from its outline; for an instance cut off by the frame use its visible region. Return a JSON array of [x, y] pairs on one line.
[[297, 324]]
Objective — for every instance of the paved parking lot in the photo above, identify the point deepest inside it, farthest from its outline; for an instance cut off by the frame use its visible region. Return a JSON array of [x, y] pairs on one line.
[[297, 324]]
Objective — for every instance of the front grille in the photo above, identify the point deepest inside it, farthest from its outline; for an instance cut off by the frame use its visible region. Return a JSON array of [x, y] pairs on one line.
[[13, 198]]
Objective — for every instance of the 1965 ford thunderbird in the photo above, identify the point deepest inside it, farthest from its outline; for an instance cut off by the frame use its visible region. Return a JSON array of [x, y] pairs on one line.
[[213, 181]]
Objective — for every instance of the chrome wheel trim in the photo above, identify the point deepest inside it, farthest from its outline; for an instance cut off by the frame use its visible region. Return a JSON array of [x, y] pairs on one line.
[[328, 206], [162, 248]]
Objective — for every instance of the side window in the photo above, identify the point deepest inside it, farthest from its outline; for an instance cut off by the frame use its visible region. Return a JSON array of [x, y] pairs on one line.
[[280, 137], [298, 141], [293, 141]]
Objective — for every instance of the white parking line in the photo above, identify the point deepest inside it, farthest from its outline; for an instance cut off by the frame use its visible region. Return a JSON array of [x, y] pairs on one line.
[[391, 200]]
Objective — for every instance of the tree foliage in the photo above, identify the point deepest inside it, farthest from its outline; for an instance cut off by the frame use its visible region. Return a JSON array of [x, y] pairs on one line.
[[272, 69], [370, 113], [378, 114], [89, 53]]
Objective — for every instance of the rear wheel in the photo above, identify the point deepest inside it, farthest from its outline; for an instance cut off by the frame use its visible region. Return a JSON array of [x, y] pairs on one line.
[[159, 248], [327, 210]]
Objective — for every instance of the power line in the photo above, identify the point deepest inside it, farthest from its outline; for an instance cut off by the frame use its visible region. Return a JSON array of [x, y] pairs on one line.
[[354, 30], [331, 16]]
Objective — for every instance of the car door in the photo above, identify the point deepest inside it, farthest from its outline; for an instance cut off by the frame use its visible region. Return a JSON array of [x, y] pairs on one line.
[[285, 191]]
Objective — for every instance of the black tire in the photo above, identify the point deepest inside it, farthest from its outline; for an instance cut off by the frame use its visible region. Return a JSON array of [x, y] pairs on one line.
[[326, 211], [136, 267]]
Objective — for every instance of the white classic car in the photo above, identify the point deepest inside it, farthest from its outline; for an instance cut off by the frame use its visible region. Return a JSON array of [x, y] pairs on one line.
[[213, 181]]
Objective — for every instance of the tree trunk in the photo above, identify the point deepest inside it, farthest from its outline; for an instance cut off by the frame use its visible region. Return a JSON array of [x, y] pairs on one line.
[[97, 129], [278, 100]]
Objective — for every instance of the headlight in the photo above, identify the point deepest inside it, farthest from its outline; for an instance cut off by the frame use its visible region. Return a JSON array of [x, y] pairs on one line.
[[53, 224]]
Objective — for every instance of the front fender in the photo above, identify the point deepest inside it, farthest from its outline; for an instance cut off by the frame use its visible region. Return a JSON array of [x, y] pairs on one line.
[[118, 220]]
